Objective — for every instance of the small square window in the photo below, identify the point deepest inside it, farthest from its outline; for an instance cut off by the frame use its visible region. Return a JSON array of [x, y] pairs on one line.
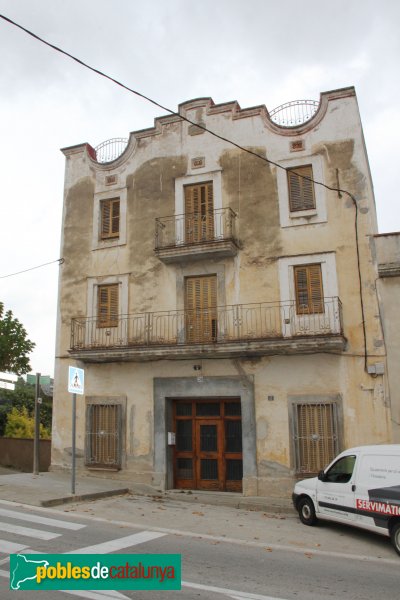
[[111, 179], [296, 145]]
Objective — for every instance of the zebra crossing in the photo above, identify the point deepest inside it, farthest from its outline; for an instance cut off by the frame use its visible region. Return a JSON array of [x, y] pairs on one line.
[[40, 528], [43, 528]]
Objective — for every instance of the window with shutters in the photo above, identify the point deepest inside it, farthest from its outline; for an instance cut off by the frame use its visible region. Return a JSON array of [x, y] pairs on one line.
[[199, 212], [301, 188], [315, 435], [301, 202], [201, 309], [107, 305], [109, 218], [309, 290]]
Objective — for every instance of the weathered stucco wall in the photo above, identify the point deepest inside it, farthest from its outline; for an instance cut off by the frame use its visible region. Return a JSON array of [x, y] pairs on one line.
[[364, 414]]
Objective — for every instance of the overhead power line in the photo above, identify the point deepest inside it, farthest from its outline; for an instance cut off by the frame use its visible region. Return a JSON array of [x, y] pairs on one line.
[[168, 110], [216, 135], [59, 260]]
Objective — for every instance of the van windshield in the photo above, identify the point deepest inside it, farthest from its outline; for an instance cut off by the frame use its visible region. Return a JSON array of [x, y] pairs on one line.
[[341, 471]]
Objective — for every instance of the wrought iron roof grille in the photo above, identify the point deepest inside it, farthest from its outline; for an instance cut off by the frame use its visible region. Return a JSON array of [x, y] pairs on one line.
[[111, 149], [292, 114]]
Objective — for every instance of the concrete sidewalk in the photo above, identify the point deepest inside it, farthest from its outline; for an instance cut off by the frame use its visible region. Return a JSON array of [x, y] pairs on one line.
[[54, 488]]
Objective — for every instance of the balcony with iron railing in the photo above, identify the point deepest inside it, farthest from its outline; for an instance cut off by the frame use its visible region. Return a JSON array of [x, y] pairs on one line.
[[256, 329], [194, 236]]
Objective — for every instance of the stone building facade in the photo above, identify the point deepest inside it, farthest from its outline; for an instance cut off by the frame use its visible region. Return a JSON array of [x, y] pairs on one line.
[[216, 300]]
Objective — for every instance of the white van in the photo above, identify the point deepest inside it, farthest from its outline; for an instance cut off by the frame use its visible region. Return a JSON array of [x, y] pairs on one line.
[[360, 487]]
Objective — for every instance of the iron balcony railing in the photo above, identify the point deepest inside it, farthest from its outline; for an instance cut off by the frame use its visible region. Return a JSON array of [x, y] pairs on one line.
[[195, 228], [219, 325]]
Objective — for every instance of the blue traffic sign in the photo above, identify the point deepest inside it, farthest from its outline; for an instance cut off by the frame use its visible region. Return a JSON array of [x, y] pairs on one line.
[[76, 380]]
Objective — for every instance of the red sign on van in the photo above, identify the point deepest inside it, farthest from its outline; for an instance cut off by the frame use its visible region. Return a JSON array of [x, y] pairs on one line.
[[382, 508]]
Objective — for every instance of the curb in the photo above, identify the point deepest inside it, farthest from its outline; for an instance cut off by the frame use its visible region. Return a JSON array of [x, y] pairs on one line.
[[284, 507], [83, 497], [277, 509], [250, 503]]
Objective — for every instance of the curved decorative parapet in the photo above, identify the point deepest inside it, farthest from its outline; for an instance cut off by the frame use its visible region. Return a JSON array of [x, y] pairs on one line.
[[111, 149], [294, 113], [285, 120]]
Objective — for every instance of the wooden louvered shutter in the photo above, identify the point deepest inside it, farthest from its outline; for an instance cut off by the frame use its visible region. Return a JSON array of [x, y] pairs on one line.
[[309, 291], [316, 436], [105, 218], [192, 305], [199, 212], [301, 191], [107, 305], [115, 218], [316, 291], [113, 294], [201, 311], [207, 211], [209, 302], [192, 218], [110, 212]]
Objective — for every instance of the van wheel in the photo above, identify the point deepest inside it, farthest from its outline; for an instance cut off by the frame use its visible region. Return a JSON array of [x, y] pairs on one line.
[[306, 511], [395, 536]]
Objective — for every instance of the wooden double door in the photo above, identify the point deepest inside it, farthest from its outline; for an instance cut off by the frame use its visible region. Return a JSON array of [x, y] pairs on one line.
[[208, 449]]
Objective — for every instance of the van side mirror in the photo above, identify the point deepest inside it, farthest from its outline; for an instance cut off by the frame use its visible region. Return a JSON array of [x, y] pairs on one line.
[[322, 476]]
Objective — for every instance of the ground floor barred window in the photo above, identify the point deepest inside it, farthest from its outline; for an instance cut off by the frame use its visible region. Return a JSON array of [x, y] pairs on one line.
[[103, 435], [315, 436]]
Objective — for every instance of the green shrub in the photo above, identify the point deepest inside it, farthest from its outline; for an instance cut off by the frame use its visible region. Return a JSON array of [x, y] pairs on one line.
[[21, 425]]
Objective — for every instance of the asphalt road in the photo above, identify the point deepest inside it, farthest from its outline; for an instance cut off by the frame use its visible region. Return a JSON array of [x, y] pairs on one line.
[[226, 553]]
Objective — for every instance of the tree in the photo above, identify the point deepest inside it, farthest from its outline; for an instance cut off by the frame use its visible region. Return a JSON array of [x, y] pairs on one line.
[[23, 396], [4, 410], [14, 344]]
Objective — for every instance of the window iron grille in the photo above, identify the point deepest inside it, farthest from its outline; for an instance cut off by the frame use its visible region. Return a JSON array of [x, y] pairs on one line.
[[103, 435], [315, 436]]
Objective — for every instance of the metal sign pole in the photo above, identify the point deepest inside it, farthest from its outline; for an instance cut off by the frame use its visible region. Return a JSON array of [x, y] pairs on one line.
[[36, 439], [76, 379], [73, 442]]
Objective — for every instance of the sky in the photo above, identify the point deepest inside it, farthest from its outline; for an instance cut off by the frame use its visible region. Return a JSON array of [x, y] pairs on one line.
[[255, 52]]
